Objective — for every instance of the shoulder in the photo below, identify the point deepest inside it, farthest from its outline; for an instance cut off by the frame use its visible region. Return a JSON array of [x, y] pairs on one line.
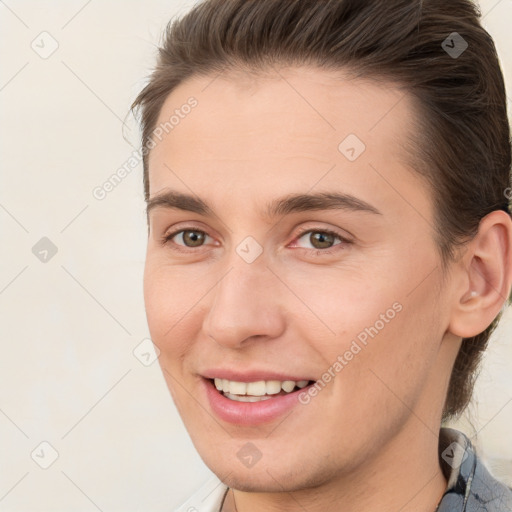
[[471, 487]]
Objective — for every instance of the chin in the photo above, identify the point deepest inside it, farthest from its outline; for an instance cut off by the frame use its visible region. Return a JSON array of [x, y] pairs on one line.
[[261, 483], [270, 477]]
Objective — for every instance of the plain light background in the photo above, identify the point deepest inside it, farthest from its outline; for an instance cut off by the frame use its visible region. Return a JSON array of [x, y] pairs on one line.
[[74, 375]]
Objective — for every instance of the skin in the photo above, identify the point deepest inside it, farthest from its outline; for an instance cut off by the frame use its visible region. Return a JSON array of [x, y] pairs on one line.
[[369, 439]]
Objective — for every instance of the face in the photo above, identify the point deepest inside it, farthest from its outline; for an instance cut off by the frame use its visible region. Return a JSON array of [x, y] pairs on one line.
[[303, 253]]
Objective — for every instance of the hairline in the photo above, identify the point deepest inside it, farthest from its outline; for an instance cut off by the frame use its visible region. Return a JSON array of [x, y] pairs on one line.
[[412, 150]]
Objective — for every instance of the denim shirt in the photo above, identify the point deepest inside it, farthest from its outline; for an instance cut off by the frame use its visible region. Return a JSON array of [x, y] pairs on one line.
[[470, 488]]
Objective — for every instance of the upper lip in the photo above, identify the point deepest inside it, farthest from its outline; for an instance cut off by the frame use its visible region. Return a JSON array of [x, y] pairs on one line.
[[253, 375]]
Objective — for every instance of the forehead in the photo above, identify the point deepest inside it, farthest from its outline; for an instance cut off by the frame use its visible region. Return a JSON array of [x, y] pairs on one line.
[[280, 125], [312, 104]]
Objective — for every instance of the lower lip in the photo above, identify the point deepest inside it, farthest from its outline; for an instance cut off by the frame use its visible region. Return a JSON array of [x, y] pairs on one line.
[[250, 413]]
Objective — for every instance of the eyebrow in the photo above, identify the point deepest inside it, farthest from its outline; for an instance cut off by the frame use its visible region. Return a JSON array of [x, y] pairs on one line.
[[292, 203]]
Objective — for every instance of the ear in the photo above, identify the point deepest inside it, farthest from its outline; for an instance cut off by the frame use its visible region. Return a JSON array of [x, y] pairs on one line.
[[484, 277]]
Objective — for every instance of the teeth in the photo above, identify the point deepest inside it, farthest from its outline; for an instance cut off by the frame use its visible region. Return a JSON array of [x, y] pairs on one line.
[[239, 388], [256, 389], [288, 385], [272, 387], [244, 398]]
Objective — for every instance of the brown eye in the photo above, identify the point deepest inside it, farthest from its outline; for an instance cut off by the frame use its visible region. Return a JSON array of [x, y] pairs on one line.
[[321, 240], [193, 238], [186, 238]]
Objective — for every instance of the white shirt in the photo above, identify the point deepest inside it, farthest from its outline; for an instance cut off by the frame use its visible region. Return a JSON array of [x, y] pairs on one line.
[[209, 498]]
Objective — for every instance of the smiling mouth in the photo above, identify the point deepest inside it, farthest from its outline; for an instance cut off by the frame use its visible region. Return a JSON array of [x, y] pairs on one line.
[[257, 391]]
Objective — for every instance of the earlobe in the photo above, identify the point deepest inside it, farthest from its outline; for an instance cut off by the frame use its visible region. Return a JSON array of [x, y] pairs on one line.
[[485, 276]]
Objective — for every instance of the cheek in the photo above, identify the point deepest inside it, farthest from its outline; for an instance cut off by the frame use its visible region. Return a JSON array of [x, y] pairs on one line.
[[380, 324], [169, 304], [390, 371], [166, 304], [345, 305]]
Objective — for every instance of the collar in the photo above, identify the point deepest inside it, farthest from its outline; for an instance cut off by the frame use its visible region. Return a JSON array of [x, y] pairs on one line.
[[470, 487]]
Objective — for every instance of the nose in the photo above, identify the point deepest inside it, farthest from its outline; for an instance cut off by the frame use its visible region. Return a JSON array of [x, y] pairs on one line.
[[246, 303]]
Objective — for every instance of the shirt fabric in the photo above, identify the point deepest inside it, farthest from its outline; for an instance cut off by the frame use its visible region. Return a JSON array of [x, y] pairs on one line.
[[470, 488]]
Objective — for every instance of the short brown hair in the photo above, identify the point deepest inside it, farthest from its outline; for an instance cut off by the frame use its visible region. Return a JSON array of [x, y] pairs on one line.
[[462, 144]]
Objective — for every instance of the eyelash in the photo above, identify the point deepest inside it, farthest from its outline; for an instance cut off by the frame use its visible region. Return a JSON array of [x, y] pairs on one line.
[[166, 239], [324, 252]]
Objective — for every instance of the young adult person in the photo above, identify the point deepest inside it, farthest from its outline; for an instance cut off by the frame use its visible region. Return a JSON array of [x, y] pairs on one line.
[[330, 247]]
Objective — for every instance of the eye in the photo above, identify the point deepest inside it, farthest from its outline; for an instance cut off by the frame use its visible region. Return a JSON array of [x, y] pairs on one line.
[[188, 238], [322, 240]]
